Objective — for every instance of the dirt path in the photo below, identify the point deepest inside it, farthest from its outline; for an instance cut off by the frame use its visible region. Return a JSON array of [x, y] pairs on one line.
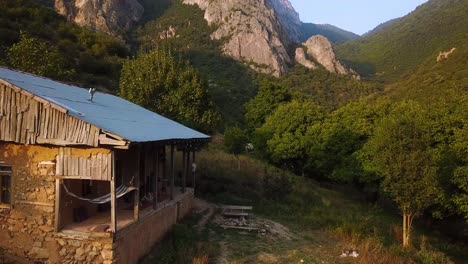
[[202, 206]]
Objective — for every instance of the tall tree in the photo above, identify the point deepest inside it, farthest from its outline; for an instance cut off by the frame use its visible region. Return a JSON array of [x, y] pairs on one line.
[[157, 81], [400, 152], [38, 57], [285, 130], [269, 96]]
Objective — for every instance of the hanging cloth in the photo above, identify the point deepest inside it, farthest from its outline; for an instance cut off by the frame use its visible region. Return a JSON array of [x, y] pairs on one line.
[[119, 192]]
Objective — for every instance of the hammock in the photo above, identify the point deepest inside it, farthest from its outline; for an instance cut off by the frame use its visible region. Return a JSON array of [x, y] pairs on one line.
[[119, 192]]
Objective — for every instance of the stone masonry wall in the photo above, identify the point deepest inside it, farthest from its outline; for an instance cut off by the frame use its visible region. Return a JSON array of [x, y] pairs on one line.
[[136, 241], [27, 228]]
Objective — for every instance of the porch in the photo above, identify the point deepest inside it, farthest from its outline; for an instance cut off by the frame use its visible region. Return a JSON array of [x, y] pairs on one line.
[[100, 223], [109, 191]]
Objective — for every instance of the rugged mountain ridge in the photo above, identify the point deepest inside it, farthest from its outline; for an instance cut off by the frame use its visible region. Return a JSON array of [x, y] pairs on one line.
[[319, 49], [256, 32], [114, 17]]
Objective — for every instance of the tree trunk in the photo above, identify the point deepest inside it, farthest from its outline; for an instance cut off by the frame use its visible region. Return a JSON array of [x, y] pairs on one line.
[[407, 221], [238, 163]]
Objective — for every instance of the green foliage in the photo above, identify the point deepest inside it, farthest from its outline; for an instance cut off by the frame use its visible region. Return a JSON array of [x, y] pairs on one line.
[[326, 89], [334, 34], [38, 57], [174, 89], [402, 46], [269, 96], [460, 176], [285, 132], [400, 152], [95, 58], [235, 140], [231, 83], [335, 142]]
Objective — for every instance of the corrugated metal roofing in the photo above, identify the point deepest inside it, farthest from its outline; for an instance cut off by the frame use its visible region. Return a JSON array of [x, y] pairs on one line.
[[107, 112]]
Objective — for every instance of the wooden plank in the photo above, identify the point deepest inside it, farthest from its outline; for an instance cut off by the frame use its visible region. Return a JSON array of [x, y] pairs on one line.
[[113, 226], [235, 207], [239, 227], [156, 176], [58, 209], [136, 203], [76, 177], [172, 171]]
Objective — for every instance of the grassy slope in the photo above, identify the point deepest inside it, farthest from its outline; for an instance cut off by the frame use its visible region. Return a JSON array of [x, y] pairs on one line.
[[322, 221], [399, 48], [334, 34]]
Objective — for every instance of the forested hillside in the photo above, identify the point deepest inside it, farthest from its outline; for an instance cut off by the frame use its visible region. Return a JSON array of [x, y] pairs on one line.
[[388, 54], [88, 58]]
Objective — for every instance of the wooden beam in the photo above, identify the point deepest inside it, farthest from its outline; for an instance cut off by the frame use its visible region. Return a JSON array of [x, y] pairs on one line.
[[155, 175], [113, 226], [185, 160], [58, 142], [172, 171], [104, 140], [139, 174], [193, 170], [58, 211], [80, 178]]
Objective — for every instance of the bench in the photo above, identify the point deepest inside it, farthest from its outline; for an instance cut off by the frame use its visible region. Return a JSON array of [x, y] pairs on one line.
[[237, 211]]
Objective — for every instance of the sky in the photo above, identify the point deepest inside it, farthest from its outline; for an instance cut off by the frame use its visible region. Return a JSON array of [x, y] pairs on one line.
[[358, 16]]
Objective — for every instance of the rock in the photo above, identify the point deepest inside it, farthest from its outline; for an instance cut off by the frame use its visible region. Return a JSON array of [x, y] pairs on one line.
[[301, 58], [256, 32], [74, 243], [114, 17], [79, 252], [63, 252], [106, 254], [320, 49], [61, 242]]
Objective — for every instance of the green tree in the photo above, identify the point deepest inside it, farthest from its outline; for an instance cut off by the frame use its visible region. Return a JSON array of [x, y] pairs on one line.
[[284, 132], [235, 141], [160, 83], [269, 96], [38, 57], [460, 175], [333, 144], [400, 152]]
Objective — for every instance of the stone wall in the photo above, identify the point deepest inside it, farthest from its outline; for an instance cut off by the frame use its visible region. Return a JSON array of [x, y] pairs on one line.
[[27, 228], [137, 240]]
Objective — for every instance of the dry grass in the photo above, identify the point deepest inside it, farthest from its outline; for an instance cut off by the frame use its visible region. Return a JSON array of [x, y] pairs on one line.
[[200, 260]]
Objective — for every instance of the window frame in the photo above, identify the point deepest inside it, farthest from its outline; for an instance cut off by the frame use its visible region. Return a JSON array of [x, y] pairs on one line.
[[6, 173]]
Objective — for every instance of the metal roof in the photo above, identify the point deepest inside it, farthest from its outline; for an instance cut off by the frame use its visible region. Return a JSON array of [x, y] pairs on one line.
[[107, 112]]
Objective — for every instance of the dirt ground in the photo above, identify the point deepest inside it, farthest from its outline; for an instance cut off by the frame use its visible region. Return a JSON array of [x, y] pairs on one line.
[[278, 244]]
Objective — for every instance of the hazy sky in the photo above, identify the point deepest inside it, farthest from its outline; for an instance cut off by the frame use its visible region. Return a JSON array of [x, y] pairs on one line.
[[358, 16]]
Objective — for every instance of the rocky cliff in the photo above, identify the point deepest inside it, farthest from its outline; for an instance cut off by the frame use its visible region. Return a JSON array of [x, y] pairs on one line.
[[255, 31], [318, 48], [114, 17]]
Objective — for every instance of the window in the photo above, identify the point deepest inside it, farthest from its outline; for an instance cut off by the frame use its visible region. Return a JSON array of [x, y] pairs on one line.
[[5, 184]]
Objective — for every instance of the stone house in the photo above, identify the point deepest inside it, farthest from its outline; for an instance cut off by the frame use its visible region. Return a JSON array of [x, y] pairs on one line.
[[87, 177]]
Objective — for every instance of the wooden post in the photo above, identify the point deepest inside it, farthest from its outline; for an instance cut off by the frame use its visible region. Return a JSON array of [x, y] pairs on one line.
[[58, 211], [113, 197], [140, 171], [155, 177], [184, 169], [172, 171], [193, 170]]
